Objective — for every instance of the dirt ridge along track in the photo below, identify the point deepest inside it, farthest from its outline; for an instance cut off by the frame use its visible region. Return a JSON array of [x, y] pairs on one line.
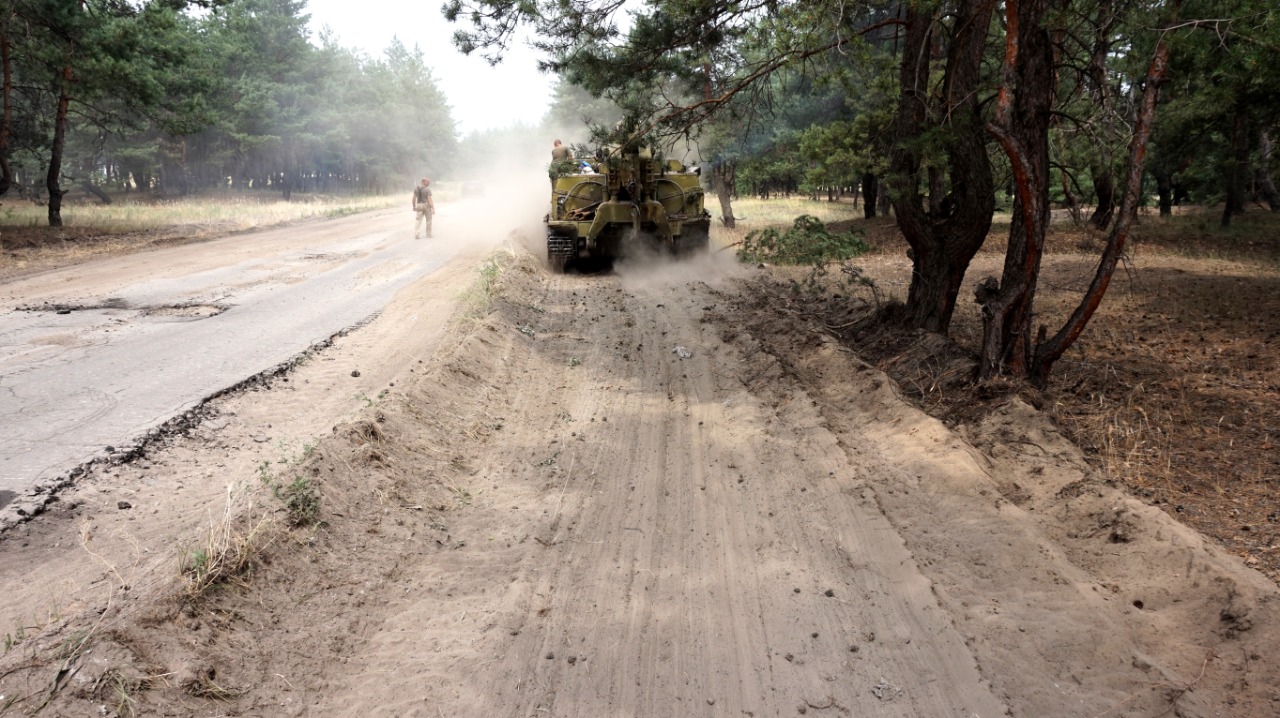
[[564, 516], [1076, 598]]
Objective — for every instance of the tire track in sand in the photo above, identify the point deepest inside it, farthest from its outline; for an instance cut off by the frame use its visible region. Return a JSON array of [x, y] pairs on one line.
[[651, 538]]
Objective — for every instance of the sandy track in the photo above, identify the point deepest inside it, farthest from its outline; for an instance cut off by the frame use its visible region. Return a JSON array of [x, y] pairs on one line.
[[561, 514], [665, 546]]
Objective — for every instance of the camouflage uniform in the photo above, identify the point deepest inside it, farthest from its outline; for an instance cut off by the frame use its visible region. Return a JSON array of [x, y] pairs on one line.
[[423, 207]]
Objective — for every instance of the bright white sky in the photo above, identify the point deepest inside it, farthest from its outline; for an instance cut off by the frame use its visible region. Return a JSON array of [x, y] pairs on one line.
[[481, 97]]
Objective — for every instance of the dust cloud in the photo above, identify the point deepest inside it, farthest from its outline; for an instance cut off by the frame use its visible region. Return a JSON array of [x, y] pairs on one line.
[[504, 192], [661, 270]]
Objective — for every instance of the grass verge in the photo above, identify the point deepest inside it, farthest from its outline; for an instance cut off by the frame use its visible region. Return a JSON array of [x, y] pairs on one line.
[[229, 547], [478, 297], [221, 212]]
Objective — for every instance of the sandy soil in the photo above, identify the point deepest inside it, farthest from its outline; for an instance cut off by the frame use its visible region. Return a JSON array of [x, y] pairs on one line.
[[654, 492]]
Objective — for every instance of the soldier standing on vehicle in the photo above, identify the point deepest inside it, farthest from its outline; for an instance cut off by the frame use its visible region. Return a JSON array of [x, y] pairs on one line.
[[424, 206], [560, 152]]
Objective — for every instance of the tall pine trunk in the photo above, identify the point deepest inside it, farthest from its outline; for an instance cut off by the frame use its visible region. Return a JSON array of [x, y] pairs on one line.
[[59, 142], [722, 183], [1049, 351], [1021, 126], [1099, 90], [1237, 166], [1105, 188], [6, 121], [870, 190], [1266, 185], [1164, 190]]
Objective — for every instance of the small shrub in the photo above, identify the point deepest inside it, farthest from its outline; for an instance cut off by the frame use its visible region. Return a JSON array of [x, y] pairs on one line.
[[806, 242], [301, 499], [479, 297]]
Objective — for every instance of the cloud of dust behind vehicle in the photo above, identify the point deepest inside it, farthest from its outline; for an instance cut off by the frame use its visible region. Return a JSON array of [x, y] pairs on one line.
[[652, 267], [504, 193]]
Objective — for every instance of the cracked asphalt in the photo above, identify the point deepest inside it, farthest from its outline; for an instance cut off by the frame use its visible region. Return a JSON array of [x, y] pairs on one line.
[[95, 355]]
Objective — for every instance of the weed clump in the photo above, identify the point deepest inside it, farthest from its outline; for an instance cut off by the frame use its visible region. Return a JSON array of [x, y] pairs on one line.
[[807, 242], [229, 549], [301, 499], [479, 297]]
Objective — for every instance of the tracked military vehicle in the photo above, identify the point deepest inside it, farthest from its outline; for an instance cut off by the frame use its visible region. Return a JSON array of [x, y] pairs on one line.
[[624, 202]]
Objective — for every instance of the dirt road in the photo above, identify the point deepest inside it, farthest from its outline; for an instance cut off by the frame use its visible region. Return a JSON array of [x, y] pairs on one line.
[[653, 492]]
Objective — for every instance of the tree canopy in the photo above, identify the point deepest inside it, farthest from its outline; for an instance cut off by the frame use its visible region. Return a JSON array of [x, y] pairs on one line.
[[955, 107], [171, 97]]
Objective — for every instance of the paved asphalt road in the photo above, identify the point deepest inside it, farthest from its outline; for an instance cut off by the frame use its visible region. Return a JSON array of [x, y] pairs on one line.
[[115, 366]]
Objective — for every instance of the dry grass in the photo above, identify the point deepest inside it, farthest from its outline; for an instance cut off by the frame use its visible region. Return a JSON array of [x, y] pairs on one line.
[[222, 213], [90, 229], [229, 547]]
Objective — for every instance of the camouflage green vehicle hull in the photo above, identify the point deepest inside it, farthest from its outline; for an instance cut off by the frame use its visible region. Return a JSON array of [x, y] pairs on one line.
[[626, 205]]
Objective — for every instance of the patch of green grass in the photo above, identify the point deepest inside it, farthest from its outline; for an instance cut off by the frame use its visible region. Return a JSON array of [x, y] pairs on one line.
[[14, 639], [478, 297], [301, 496]]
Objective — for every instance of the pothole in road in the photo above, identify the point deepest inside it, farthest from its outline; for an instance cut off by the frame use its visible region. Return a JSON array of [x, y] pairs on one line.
[[185, 311], [328, 256], [190, 310]]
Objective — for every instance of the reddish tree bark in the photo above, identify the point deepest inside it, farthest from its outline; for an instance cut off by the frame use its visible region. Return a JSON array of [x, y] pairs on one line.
[[1027, 93], [1048, 352]]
